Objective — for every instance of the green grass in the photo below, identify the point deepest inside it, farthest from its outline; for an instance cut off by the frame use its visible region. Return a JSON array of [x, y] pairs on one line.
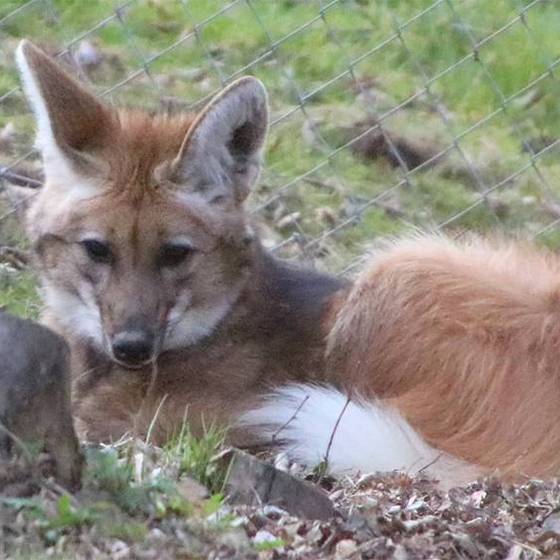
[[345, 35], [118, 502], [18, 293], [197, 457]]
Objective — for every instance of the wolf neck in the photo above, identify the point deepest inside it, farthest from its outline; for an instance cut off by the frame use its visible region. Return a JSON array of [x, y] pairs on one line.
[[287, 310]]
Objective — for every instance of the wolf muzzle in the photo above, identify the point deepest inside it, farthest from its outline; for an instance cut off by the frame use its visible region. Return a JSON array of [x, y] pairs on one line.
[[133, 347]]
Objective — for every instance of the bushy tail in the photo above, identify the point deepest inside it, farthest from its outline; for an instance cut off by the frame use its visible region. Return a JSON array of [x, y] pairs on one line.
[[314, 423]]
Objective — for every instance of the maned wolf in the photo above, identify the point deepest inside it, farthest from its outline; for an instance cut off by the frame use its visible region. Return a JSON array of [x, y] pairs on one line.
[[151, 271], [35, 396]]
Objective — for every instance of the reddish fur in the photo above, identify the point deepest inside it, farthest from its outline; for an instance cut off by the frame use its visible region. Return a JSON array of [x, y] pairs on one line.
[[131, 142], [141, 143], [461, 337]]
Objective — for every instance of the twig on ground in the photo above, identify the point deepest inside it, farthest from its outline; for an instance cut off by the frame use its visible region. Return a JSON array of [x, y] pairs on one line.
[[290, 419], [329, 445]]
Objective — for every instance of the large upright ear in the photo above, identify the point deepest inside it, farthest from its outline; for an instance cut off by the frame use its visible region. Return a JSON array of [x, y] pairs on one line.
[[72, 124], [220, 157]]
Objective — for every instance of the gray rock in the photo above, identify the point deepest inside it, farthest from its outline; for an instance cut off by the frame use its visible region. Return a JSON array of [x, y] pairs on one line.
[[254, 482]]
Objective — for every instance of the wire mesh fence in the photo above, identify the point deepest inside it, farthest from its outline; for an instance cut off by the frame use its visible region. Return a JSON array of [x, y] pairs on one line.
[[386, 115]]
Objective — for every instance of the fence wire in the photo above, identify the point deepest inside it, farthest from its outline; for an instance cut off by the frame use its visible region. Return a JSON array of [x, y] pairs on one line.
[[386, 115]]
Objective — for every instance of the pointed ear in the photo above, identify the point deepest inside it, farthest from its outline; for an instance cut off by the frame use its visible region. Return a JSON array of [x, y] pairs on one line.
[[221, 155], [72, 124]]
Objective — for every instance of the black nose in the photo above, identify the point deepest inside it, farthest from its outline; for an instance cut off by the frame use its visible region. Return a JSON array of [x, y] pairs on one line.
[[133, 347]]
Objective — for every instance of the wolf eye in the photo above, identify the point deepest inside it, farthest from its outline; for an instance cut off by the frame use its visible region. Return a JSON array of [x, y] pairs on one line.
[[174, 254], [97, 250]]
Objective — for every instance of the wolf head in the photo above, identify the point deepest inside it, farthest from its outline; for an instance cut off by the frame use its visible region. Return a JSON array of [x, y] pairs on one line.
[[139, 232]]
